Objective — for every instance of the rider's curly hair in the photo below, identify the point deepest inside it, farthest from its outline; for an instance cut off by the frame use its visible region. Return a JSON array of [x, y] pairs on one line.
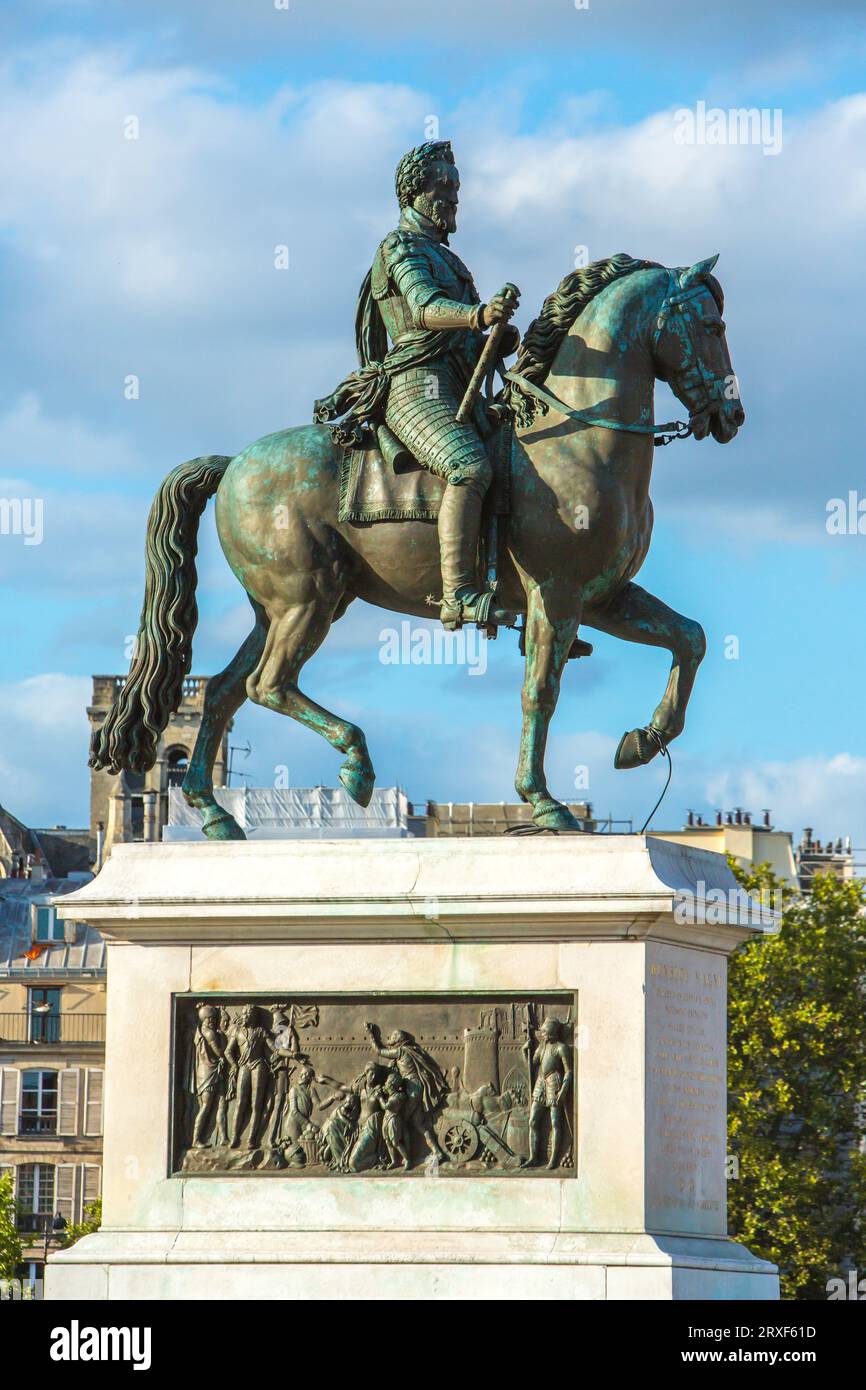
[[414, 168]]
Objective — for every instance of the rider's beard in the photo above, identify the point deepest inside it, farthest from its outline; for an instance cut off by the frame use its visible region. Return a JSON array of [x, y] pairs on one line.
[[443, 215]]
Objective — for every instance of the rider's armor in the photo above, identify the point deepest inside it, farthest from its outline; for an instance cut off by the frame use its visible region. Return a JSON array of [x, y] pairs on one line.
[[421, 296], [418, 283]]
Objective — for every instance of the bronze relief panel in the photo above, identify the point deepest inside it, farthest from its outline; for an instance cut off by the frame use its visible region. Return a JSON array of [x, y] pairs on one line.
[[331, 1085]]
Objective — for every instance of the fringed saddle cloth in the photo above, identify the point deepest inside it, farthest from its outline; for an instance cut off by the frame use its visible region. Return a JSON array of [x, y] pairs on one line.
[[373, 490]]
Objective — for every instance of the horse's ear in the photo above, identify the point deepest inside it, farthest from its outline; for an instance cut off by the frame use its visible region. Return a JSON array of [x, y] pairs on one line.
[[699, 271]]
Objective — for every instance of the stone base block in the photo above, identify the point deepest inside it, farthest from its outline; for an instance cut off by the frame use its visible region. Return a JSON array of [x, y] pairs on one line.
[[459, 1266], [552, 1015]]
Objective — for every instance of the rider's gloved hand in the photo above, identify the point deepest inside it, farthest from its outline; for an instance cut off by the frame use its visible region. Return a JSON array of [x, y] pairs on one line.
[[501, 308]]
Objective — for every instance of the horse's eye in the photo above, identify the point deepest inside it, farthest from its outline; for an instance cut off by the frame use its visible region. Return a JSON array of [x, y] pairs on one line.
[[714, 326]]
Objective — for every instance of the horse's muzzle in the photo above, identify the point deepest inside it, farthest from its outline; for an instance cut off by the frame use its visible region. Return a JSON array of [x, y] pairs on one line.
[[723, 423]]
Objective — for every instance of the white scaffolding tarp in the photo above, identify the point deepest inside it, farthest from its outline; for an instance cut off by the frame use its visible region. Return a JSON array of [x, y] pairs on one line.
[[276, 813]]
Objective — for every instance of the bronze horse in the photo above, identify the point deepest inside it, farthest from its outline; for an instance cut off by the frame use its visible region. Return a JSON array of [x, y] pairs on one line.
[[578, 532]]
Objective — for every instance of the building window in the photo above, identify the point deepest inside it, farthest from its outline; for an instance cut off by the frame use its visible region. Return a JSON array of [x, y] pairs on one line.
[[38, 1114], [48, 926], [135, 787], [35, 1196], [44, 1011]]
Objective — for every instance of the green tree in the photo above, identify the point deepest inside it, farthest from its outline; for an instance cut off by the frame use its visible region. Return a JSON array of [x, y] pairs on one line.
[[10, 1241], [91, 1222], [797, 1080]]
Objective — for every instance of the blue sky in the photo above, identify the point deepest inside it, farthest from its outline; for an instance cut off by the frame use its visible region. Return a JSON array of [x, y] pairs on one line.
[[261, 126]]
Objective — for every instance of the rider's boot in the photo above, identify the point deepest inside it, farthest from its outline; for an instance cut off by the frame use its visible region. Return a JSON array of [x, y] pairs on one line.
[[462, 600]]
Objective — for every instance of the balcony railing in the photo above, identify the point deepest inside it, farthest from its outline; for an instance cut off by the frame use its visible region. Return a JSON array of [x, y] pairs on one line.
[[52, 1029], [46, 1123], [31, 1223]]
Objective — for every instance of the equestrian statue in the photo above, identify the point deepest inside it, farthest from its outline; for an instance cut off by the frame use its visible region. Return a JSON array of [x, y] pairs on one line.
[[538, 494]]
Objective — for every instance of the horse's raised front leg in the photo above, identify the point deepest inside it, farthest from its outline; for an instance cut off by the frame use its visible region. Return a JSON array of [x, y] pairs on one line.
[[293, 638], [638, 616], [224, 696], [551, 622]]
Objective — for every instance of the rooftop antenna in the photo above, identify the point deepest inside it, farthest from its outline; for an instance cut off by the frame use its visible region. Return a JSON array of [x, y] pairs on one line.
[[244, 748]]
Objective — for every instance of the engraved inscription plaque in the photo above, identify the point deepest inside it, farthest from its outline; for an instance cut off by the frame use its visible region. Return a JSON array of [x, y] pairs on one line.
[[686, 1091], [360, 1085]]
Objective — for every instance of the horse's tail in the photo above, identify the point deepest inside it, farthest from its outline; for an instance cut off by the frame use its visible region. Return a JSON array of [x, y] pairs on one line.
[[153, 689]]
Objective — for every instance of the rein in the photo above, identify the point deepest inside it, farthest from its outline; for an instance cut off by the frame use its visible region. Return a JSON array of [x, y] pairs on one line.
[[673, 429]]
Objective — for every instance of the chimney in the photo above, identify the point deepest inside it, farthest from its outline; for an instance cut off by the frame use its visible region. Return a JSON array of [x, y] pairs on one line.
[[766, 818], [150, 815]]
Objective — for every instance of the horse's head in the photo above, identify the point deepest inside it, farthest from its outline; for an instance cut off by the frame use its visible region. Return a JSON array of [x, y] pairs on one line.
[[691, 352]]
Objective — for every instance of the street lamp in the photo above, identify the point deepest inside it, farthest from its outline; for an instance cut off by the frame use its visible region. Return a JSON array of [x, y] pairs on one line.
[[54, 1231]]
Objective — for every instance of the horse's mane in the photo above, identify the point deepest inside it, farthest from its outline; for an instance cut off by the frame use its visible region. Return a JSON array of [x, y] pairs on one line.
[[558, 312]]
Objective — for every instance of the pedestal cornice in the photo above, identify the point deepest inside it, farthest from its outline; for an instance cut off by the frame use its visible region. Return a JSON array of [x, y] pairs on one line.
[[599, 887]]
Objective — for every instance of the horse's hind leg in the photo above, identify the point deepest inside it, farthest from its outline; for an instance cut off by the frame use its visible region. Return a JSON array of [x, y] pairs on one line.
[[638, 616], [291, 641], [224, 696]]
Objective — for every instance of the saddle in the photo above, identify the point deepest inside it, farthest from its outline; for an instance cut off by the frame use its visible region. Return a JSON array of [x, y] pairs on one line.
[[382, 481], [388, 484], [373, 489]]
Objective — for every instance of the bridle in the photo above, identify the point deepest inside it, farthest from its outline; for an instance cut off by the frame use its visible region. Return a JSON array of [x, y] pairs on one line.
[[699, 388]]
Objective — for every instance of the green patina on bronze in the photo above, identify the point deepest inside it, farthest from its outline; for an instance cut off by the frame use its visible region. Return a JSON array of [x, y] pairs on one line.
[[577, 533]]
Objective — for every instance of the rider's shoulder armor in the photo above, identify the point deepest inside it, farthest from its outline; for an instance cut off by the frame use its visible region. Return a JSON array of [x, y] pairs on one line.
[[403, 265], [416, 267]]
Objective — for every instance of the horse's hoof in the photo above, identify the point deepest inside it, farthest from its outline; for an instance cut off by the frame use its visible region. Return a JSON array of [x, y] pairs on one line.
[[552, 815], [359, 780], [637, 748], [222, 826]]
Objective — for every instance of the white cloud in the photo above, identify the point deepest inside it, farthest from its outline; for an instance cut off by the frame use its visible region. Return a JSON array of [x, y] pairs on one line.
[[43, 748], [89, 542], [155, 257], [52, 701], [33, 444], [827, 793]]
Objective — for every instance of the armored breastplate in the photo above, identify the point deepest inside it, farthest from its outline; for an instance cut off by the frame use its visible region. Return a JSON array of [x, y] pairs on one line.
[[426, 270]]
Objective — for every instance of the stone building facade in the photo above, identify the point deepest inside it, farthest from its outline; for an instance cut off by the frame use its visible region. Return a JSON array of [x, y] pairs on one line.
[[52, 1054]]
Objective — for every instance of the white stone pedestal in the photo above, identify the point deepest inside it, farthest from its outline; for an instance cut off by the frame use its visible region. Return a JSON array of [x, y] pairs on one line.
[[619, 922]]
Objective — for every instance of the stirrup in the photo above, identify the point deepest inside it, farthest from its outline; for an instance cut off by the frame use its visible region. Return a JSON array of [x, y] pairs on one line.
[[474, 608]]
